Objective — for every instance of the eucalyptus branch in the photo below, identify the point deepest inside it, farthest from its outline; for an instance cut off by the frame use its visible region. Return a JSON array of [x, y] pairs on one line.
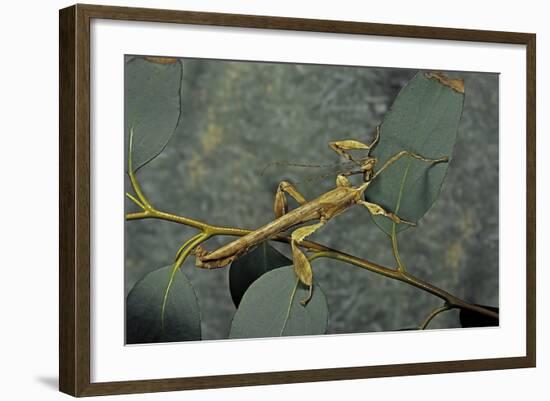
[[319, 250], [406, 278]]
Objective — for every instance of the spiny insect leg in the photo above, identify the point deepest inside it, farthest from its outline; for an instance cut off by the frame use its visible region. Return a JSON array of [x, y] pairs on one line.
[[302, 267], [376, 209], [404, 153], [280, 205]]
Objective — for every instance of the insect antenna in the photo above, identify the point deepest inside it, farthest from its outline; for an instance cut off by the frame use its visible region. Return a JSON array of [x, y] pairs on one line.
[[328, 170], [299, 165], [316, 178]]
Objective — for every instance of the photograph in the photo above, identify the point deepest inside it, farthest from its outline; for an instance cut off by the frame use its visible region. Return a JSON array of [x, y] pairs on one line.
[[269, 199], [259, 198]]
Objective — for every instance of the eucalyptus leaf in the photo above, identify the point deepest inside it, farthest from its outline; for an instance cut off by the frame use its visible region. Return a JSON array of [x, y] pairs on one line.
[[424, 119], [144, 323], [249, 267], [152, 93], [271, 308], [470, 318]]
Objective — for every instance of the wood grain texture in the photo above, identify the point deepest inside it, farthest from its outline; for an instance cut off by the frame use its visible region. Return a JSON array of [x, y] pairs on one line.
[[531, 229], [67, 295], [74, 199], [74, 212], [301, 376]]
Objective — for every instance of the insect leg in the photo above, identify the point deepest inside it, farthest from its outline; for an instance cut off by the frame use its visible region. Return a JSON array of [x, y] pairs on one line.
[[342, 147], [302, 267], [404, 153], [376, 138], [342, 180], [280, 206], [375, 209]]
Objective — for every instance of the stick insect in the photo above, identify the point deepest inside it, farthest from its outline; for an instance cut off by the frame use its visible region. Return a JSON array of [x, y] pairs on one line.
[[323, 208]]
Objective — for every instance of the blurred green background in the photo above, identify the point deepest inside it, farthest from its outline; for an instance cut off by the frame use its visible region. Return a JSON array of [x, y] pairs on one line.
[[237, 117]]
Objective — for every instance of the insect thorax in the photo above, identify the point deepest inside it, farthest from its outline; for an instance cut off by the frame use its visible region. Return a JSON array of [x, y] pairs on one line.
[[367, 165]]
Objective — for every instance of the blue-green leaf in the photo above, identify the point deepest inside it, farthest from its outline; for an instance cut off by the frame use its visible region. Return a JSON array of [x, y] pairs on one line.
[[424, 119], [271, 308], [249, 267], [152, 106], [144, 323]]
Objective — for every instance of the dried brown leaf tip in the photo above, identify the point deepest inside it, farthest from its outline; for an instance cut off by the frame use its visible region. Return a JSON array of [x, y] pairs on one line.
[[456, 84], [161, 60]]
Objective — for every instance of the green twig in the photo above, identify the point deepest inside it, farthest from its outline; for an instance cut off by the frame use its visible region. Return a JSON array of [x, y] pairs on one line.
[[433, 314], [395, 250], [133, 199], [400, 265], [180, 259]]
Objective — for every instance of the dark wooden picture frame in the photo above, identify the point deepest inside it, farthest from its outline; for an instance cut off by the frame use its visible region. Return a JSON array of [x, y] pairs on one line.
[[74, 204]]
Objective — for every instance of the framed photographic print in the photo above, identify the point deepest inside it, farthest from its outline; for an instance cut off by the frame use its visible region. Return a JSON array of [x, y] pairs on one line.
[[251, 200]]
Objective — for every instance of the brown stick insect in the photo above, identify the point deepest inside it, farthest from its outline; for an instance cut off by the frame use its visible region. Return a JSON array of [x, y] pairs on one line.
[[323, 208]]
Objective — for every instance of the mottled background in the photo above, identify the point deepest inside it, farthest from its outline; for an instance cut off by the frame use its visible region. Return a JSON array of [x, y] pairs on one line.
[[239, 116]]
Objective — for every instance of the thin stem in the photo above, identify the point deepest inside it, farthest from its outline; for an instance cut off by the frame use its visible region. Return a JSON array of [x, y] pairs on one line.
[[395, 250], [365, 264], [180, 259], [187, 243], [316, 255], [433, 314], [405, 277], [133, 199], [400, 265]]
